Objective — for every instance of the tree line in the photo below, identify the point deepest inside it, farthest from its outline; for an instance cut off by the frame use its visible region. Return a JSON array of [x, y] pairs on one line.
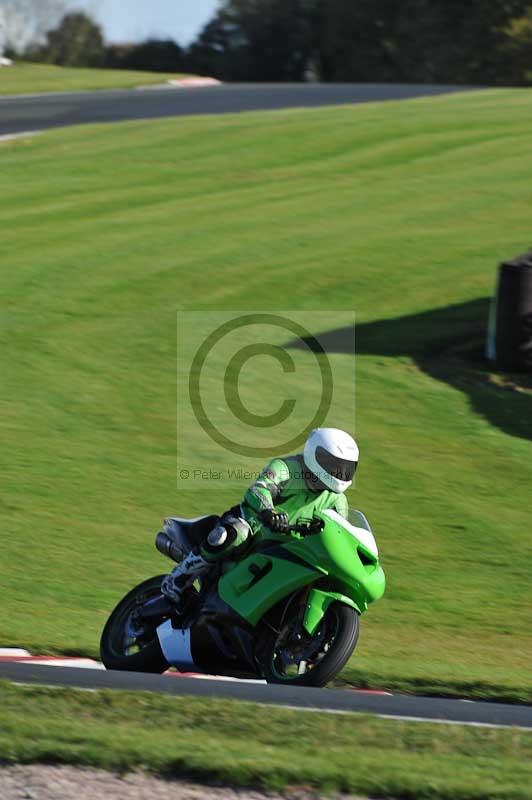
[[422, 41]]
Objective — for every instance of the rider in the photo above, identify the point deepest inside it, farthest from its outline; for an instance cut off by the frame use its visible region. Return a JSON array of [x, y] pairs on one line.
[[288, 489]]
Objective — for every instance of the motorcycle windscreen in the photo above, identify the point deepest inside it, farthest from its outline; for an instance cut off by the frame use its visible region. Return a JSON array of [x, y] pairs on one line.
[[259, 581]]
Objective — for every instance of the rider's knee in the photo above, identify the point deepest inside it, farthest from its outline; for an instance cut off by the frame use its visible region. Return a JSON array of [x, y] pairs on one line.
[[217, 537], [231, 534]]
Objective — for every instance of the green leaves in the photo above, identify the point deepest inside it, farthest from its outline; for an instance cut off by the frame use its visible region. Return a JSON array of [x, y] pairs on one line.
[[367, 40]]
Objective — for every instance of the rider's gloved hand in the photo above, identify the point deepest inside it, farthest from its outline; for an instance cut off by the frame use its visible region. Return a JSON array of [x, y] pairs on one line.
[[275, 520]]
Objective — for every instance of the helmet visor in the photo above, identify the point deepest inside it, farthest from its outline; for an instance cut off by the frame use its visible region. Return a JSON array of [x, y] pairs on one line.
[[339, 468]]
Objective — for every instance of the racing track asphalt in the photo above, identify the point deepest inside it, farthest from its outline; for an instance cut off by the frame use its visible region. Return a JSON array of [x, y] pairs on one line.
[[25, 113], [399, 706]]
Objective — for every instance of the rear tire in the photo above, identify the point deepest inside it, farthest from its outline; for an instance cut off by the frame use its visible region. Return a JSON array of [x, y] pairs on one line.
[[114, 641], [338, 630]]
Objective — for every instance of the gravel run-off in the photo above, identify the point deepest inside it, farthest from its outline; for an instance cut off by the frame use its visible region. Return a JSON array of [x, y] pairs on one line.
[[41, 782]]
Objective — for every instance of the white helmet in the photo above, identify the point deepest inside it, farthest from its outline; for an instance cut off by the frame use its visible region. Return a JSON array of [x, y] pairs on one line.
[[332, 456]]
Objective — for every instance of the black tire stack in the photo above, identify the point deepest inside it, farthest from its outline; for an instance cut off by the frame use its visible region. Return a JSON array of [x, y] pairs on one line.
[[509, 341]]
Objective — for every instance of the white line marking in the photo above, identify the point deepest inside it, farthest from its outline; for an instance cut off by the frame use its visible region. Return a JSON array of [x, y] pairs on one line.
[[454, 722], [76, 663], [207, 677], [9, 137], [23, 657], [13, 651], [428, 720]]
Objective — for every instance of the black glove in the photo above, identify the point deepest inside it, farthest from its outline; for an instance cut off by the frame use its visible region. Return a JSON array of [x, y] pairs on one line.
[[275, 520]]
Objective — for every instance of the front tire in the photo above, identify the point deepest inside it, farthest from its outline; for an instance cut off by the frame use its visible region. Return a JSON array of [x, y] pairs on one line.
[[293, 657], [124, 646]]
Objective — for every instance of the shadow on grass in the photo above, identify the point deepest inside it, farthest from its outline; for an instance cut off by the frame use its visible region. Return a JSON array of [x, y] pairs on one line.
[[447, 344]]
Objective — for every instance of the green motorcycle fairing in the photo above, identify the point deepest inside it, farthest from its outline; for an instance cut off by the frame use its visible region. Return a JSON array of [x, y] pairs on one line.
[[343, 555]]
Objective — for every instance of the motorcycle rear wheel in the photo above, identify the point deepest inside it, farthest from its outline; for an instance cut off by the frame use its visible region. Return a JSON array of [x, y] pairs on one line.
[[291, 657], [119, 647]]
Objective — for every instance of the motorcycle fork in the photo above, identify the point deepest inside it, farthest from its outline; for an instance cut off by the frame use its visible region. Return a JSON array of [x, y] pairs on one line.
[[300, 602], [303, 605]]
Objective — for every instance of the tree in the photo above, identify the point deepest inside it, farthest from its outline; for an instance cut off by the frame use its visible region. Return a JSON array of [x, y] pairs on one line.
[[465, 39], [219, 50], [440, 41], [256, 40], [517, 50], [357, 40], [76, 42], [154, 55], [24, 22]]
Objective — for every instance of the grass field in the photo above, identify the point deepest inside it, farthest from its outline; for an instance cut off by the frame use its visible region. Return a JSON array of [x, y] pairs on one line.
[[247, 745], [400, 211], [24, 78]]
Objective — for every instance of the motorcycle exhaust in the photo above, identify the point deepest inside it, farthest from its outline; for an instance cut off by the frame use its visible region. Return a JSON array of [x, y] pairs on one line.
[[168, 547]]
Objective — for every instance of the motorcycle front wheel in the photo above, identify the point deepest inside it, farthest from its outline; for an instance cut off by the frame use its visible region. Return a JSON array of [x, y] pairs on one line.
[[291, 656], [128, 642]]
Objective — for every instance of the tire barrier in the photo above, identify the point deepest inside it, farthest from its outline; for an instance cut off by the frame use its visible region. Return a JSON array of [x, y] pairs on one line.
[[509, 341]]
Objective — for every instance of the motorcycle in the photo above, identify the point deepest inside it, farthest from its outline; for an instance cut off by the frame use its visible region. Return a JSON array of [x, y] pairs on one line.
[[288, 611]]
